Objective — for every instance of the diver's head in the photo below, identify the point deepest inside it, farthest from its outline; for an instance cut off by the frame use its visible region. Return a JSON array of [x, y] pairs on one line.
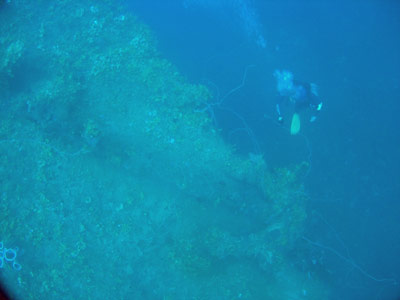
[[284, 82]]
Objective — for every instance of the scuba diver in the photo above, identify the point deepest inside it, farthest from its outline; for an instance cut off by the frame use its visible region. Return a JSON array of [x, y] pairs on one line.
[[302, 95]]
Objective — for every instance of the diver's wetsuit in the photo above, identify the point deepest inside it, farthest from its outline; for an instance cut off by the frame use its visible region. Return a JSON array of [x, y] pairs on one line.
[[304, 96]]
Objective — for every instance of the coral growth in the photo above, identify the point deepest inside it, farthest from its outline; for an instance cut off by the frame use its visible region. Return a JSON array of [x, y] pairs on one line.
[[110, 173]]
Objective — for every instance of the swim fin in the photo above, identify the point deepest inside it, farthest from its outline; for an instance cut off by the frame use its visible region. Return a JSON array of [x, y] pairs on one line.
[[295, 126]]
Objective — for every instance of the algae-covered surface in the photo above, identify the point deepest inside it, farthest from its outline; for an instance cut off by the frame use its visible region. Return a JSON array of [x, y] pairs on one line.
[[114, 182]]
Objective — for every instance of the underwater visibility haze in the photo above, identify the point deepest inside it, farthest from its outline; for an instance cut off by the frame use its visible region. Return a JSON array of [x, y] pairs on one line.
[[199, 149]]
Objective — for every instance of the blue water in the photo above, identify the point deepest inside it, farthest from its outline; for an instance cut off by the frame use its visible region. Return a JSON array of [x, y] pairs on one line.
[[351, 49], [120, 180]]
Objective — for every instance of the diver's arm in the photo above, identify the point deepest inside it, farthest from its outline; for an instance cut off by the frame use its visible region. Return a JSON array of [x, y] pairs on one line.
[[315, 101], [316, 109], [278, 109]]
